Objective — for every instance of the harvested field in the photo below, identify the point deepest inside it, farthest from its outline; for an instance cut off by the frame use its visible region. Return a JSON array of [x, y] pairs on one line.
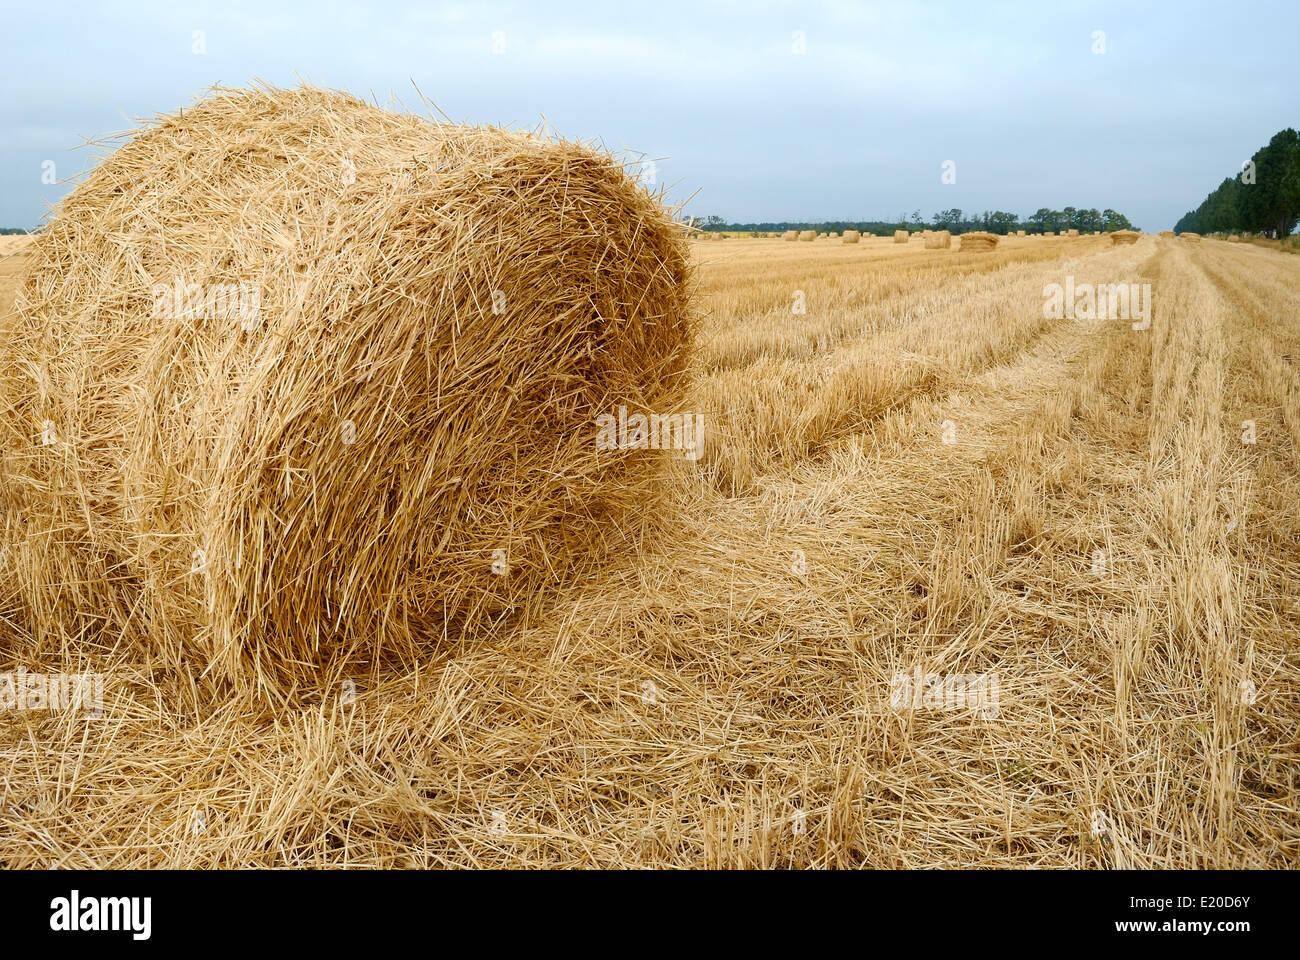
[[920, 474]]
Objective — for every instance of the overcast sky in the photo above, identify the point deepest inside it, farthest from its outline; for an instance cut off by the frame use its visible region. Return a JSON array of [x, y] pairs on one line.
[[858, 126]]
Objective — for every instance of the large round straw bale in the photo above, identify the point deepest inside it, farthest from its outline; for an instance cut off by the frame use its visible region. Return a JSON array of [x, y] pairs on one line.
[[938, 239], [808, 235], [1020, 233], [979, 241], [901, 236], [1072, 233], [1125, 236], [790, 235], [852, 236], [1233, 238], [385, 434]]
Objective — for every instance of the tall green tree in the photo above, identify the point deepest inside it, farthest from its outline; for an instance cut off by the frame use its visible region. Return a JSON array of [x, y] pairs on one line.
[[1263, 197]]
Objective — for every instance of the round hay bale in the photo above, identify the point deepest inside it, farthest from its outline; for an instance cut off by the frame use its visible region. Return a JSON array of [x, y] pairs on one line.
[[1020, 233], [901, 236], [979, 241], [1233, 238], [790, 235], [852, 236], [938, 239], [1120, 237], [392, 435], [1073, 233], [808, 235]]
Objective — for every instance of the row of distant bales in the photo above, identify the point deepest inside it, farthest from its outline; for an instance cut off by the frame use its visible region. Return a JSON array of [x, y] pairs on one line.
[[942, 239]]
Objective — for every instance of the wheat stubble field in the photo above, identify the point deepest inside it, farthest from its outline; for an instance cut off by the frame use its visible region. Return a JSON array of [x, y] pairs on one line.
[[918, 472]]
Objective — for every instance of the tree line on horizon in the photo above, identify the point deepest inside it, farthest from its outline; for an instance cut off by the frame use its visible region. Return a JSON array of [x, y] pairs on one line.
[[1044, 220], [1263, 198]]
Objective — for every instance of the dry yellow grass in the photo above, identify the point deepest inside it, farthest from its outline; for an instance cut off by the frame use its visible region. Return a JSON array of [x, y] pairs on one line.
[[1096, 535]]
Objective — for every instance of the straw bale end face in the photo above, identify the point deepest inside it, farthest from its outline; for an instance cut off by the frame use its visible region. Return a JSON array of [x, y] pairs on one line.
[[323, 379]]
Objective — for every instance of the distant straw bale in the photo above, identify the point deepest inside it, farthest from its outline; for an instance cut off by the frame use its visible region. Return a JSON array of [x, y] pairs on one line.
[[978, 242]]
